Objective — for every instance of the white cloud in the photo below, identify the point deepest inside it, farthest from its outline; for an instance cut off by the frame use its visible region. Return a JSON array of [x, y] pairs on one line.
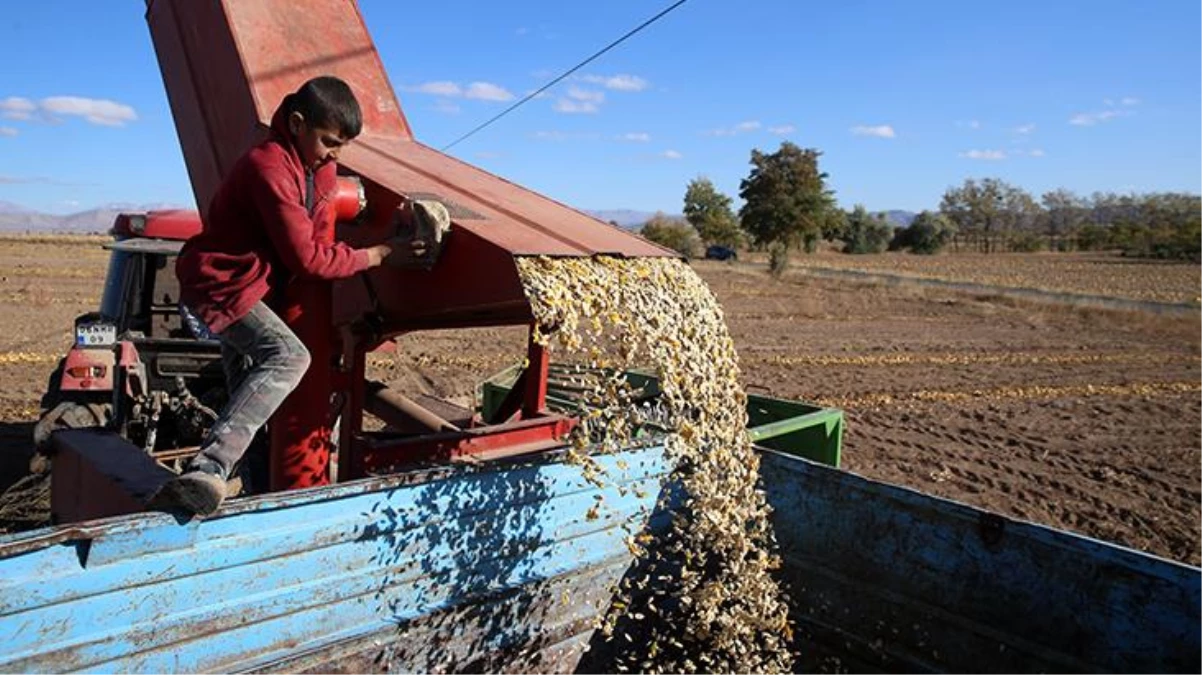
[[565, 136], [1037, 152], [1092, 118], [17, 108], [618, 82], [95, 110], [969, 124], [670, 154], [446, 107], [635, 137], [43, 180], [782, 130], [740, 128], [480, 91], [574, 107], [487, 91], [8, 131], [1024, 129], [879, 131], [586, 95], [988, 155], [439, 88]]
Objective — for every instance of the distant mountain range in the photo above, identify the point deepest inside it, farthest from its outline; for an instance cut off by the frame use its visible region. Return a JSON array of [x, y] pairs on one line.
[[898, 218], [633, 220], [16, 218], [626, 218]]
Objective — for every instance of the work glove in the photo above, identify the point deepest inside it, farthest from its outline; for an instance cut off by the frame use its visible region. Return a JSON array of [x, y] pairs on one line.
[[420, 243]]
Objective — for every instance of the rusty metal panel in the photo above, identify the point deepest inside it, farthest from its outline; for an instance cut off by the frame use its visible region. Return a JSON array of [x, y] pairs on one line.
[[207, 88], [282, 43], [271, 579], [98, 474], [887, 579], [518, 220], [564, 609], [227, 65], [475, 283]]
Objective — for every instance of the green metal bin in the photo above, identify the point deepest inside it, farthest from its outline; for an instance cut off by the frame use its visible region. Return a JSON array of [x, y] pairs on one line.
[[794, 427]]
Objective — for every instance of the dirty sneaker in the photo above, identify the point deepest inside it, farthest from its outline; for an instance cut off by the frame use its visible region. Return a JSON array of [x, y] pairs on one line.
[[199, 490]]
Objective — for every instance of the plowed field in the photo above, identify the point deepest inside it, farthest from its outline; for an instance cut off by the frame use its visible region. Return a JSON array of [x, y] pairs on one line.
[[1080, 418]]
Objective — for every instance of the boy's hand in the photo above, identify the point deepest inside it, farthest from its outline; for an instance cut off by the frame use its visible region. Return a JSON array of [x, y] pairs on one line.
[[376, 254], [403, 248], [417, 247]]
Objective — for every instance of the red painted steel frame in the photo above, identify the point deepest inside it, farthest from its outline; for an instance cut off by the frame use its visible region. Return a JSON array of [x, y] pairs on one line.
[[183, 224], [301, 427], [535, 399], [98, 365], [174, 224], [226, 65], [378, 456]]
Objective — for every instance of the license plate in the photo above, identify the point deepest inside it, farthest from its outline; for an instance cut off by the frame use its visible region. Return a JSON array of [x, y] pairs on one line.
[[95, 335]]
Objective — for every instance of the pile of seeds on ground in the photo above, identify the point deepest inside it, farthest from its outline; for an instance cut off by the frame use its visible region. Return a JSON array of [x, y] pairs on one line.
[[707, 600]]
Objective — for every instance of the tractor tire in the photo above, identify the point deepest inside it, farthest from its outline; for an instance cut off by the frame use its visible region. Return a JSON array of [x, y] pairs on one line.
[[55, 382], [68, 415]]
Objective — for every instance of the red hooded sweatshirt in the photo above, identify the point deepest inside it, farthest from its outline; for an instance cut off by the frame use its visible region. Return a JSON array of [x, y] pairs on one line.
[[259, 234]]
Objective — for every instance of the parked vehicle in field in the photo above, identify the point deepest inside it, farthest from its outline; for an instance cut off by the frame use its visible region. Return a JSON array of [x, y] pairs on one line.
[[137, 365], [717, 252]]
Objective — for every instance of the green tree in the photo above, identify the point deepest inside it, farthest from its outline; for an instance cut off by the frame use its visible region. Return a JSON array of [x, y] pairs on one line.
[[785, 197], [866, 232], [1063, 215], [710, 212], [928, 233], [834, 224], [991, 212], [672, 233], [1160, 225]]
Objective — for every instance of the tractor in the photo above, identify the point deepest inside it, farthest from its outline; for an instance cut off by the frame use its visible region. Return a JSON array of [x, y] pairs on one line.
[[141, 365]]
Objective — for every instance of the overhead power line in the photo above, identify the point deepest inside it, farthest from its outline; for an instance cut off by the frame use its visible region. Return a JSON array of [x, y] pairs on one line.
[[557, 80]]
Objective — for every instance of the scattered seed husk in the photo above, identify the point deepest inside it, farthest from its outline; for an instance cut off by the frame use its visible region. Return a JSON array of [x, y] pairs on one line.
[[718, 608]]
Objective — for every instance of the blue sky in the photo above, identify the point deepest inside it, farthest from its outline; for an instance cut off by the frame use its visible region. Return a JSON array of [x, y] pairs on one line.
[[904, 98]]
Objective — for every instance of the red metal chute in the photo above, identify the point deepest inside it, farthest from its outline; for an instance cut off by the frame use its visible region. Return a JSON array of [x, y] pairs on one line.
[[227, 65]]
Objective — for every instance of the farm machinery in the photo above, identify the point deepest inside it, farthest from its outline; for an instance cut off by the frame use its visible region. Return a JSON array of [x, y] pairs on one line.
[[460, 539], [135, 364], [142, 364], [141, 367]]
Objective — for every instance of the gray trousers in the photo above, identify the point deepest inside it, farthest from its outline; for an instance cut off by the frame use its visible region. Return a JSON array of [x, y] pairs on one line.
[[263, 362]]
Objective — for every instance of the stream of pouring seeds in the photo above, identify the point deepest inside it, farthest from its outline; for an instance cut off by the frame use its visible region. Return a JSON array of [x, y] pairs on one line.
[[714, 605]]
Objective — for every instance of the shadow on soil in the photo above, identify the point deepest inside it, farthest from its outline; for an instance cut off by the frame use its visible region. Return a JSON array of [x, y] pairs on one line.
[[16, 448], [24, 497]]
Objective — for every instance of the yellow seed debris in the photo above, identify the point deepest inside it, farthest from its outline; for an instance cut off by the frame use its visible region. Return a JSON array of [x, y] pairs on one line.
[[619, 313]]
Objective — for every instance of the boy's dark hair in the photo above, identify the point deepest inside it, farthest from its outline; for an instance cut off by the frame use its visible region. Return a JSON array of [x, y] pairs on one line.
[[327, 101]]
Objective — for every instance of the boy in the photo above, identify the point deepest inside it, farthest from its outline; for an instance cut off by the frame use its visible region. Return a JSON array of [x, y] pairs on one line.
[[259, 234]]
